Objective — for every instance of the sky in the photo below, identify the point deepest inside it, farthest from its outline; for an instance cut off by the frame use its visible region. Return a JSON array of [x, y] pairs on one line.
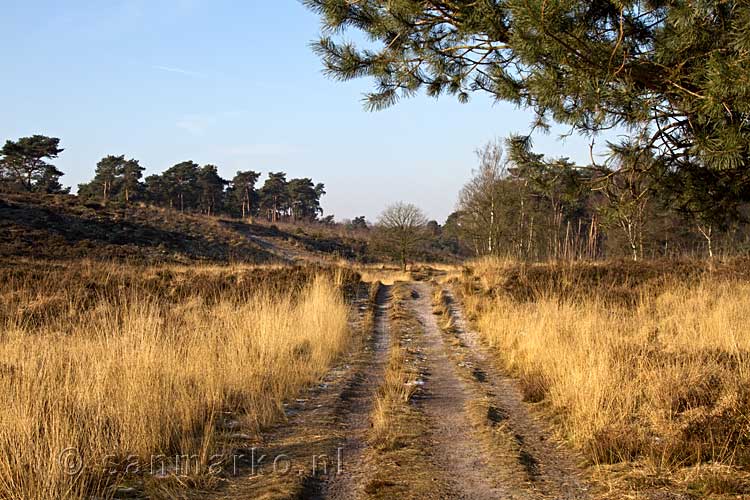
[[237, 85]]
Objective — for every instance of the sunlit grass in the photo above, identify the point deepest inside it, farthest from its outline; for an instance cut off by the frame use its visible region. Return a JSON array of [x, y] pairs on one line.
[[136, 374], [664, 380]]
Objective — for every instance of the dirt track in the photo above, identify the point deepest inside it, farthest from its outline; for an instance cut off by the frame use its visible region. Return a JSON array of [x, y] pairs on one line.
[[359, 398], [465, 460], [535, 463], [503, 454]]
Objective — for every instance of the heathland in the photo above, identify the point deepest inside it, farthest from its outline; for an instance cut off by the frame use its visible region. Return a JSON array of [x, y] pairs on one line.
[[567, 380], [153, 353]]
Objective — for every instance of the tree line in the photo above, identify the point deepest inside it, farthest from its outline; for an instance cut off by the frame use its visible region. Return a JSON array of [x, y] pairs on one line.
[[187, 186], [523, 205]]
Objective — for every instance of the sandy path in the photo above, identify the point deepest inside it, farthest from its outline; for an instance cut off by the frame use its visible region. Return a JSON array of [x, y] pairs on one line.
[[523, 463], [469, 472], [356, 419]]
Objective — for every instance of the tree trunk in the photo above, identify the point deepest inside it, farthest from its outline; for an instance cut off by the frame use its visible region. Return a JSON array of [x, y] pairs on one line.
[[491, 236], [640, 237], [248, 196], [29, 175], [593, 245], [530, 248], [708, 235]]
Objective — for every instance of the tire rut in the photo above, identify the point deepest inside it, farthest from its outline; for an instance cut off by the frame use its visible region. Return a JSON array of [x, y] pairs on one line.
[[330, 424], [466, 462], [360, 397], [551, 470]]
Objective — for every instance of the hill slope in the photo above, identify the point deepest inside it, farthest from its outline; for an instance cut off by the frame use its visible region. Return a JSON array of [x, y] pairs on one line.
[[60, 227]]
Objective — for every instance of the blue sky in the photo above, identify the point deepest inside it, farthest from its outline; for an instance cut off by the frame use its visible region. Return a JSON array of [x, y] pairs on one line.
[[237, 85]]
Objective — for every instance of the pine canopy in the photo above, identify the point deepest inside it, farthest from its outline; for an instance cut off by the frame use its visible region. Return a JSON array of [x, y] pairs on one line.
[[678, 69]]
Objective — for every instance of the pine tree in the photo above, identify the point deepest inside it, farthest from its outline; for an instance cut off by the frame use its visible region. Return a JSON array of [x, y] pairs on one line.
[[211, 187], [675, 69], [156, 190], [304, 198], [131, 172], [115, 178], [359, 223], [49, 182], [559, 185], [627, 182], [242, 192], [711, 211], [181, 183], [274, 197], [23, 165], [107, 175]]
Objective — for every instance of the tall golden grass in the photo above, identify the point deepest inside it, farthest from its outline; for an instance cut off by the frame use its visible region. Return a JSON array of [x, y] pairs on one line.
[[136, 374], [659, 375]]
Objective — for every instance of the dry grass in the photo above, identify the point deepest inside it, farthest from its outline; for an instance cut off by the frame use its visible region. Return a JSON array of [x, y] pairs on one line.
[[389, 274], [384, 275], [393, 397], [400, 464], [123, 364], [399, 381], [656, 372]]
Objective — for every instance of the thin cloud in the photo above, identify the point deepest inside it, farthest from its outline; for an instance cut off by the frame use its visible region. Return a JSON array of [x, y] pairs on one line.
[[180, 71], [200, 123], [196, 124]]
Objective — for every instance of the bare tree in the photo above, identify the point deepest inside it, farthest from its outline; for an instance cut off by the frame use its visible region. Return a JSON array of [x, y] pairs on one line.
[[401, 230], [480, 199]]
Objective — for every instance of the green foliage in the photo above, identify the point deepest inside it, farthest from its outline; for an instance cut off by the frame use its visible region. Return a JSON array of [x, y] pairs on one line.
[[274, 198], [241, 195], [188, 186], [181, 182], [49, 182], [529, 207], [296, 199], [156, 190], [115, 178], [627, 183], [211, 189], [130, 180], [23, 166], [677, 69], [359, 223], [304, 199]]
